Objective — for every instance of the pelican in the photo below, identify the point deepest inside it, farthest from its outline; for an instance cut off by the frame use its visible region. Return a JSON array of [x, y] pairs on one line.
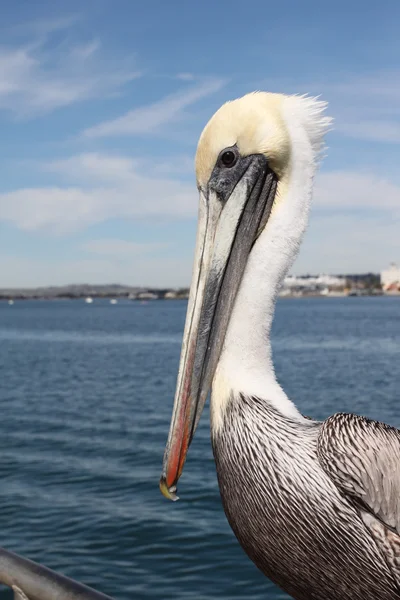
[[315, 505]]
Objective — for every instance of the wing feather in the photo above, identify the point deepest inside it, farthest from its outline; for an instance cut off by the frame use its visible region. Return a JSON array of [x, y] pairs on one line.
[[362, 458]]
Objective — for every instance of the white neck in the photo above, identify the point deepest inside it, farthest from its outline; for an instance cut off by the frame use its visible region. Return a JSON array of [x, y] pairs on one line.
[[245, 365]]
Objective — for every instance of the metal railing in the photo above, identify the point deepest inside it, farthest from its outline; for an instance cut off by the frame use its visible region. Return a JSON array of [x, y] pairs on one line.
[[32, 581]]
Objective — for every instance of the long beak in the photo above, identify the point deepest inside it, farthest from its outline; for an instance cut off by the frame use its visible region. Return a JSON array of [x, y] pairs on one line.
[[225, 236]]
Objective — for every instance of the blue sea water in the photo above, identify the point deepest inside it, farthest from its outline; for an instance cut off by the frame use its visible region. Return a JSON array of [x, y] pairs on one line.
[[85, 402]]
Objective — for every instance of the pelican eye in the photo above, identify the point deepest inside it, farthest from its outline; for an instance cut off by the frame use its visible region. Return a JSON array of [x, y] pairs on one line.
[[228, 158]]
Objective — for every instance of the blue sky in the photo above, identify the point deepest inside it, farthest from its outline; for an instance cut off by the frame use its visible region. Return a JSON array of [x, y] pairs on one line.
[[102, 103]]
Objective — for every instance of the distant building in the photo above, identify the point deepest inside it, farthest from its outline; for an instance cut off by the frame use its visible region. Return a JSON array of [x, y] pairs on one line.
[[316, 283], [146, 296], [390, 278], [171, 295]]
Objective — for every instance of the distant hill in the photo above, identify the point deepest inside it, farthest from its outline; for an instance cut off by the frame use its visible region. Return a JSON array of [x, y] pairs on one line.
[[85, 290], [116, 290], [113, 290]]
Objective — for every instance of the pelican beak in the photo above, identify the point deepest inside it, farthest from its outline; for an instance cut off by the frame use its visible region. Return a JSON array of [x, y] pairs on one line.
[[234, 208]]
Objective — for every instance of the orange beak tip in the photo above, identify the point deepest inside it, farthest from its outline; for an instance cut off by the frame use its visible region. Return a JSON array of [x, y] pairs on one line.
[[168, 492]]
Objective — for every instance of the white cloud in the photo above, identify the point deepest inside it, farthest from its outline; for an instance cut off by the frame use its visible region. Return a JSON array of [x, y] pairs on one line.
[[379, 131], [185, 76], [44, 27], [104, 187], [355, 226], [348, 244], [148, 119], [120, 249], [366, 107], [347, 190], [92, 166], [36, 79], [57, 210], [382, 85], [363, 106], [160, 271], [101, 187]]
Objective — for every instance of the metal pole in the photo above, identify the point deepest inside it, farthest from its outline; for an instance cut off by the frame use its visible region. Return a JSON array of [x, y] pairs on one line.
[[32, 581]]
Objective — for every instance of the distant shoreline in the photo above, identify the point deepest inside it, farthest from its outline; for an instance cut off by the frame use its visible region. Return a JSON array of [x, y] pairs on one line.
[[307, 286], [5, 299]]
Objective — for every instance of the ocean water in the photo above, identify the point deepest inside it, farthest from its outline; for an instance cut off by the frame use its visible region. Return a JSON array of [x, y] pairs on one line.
[[85, 402]]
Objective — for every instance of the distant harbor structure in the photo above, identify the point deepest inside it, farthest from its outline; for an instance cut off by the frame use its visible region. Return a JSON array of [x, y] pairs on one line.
[[323, 285], [390, 279], [168, 294], [146, 295], [310, 285]]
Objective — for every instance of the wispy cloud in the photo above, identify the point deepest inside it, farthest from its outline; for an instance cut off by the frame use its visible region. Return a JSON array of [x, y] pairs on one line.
[[99, 187], [186, 76], [354, 225], [366, 107], [120, 249], [92, 166], [349, 243], [349, 190], [44, 26], [36, 79], [378, 131], [147, 119], [160, 271], [382, 85]]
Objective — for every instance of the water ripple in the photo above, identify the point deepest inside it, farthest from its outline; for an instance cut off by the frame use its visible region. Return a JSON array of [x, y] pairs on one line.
[[85, 398]]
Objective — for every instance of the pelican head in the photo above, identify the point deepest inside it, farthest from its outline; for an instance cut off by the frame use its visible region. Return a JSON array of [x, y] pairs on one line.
[[254, 166]]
